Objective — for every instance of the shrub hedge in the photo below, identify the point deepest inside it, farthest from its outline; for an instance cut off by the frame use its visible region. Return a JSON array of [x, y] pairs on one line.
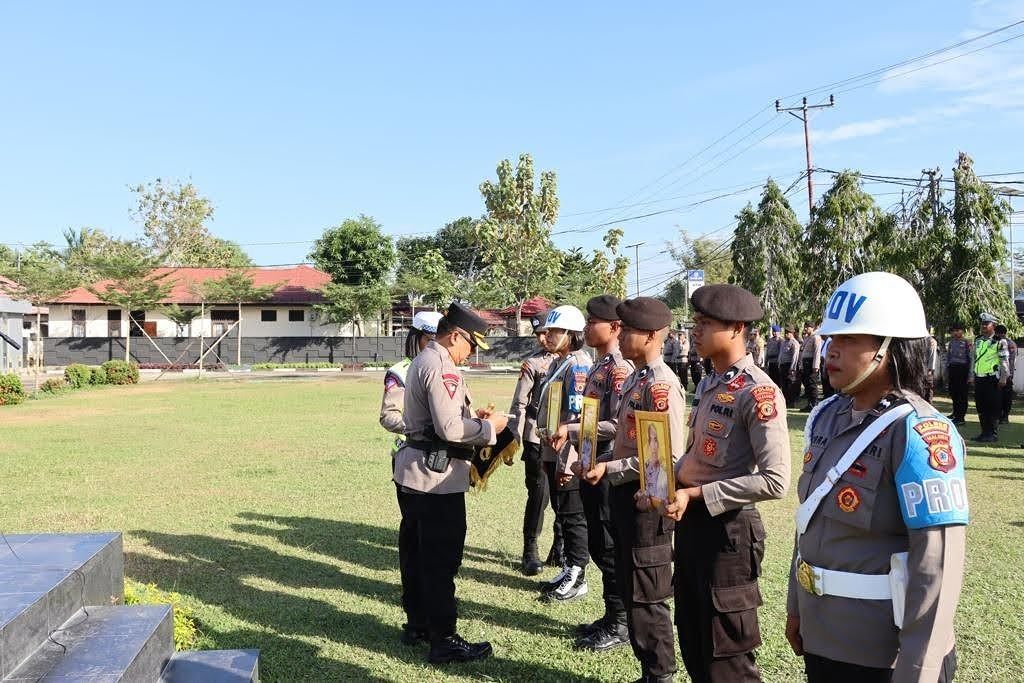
[[121, 372], [77, 375], [11, 390]]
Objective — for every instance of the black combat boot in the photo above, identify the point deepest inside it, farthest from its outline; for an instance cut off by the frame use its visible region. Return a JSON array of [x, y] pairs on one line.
[[455, 649]]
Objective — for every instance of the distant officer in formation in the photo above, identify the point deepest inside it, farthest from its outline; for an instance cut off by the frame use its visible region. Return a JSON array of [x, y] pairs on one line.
[[564, 339], [755, 347], [432, 474], [789, 357], [959, 370], [932, 367], [771, 355], [879, 553], [643, 538], [738, 455], [523, 422], [991, 374], [671, 351], [696, 364], [810, 365], [604, 383], [682, 365], [1006, 399]]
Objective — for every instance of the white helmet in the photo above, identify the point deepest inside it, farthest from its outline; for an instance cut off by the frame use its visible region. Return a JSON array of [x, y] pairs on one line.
[[565, 318], [881, 304], [426, 321]]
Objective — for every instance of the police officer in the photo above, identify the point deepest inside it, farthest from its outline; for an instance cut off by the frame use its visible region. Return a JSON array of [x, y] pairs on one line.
[[789, 356], [827, 389], [879, 553], [755, 347], [933, 367], [604, 383], [432, 467], [670, 352], [564, 339], [959, 369], [643, 538], [523, 423], [695, 362], [771, 354], [424, 327], [737, 455], [1006, 399], [681, 365], [810, 365], [991, 372]]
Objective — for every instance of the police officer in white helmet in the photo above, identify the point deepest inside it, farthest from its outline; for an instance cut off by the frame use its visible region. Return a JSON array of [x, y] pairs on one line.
[[879, 556]]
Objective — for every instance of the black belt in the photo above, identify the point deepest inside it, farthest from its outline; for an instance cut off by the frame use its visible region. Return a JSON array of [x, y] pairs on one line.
[[454, 450]]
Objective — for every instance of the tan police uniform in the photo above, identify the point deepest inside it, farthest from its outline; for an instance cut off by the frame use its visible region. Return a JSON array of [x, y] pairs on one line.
[[904, 494], [392, 403]]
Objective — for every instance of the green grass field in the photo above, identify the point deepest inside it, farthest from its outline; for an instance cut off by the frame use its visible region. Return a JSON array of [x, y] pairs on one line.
[[268, 505]]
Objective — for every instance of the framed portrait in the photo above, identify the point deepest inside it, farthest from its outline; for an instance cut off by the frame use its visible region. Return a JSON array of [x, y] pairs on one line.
[[588, 433], [657, 478], [554, 407]]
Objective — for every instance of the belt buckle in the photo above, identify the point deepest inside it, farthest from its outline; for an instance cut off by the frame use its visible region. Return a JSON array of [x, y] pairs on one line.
[[808, 578]]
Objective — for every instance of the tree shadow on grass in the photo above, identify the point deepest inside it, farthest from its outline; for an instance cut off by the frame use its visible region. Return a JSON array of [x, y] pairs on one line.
[[227, 574], [372, 547]]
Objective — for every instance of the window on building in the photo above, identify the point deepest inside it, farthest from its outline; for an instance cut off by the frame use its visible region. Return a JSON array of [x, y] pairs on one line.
[[296, 316], [139, 317], [268, 315], [221, 320], [114, 322], [77, 322]]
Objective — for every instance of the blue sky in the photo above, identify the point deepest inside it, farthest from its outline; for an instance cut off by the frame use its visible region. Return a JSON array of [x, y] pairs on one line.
[[292, 118]]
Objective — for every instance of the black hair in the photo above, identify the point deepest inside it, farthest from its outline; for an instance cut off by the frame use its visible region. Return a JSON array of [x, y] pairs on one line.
[[445, 326], [412, 342], [1000, 329], [575, 340], [907, 363]]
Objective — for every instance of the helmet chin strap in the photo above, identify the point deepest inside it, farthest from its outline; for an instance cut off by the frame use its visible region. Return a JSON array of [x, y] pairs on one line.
[[872, 366]]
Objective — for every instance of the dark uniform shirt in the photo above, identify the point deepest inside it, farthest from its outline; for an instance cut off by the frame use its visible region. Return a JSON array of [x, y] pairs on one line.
[[605, 382], [572, 372]]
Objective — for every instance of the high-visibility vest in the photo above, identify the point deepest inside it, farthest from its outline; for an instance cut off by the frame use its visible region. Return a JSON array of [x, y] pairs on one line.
[[399, 370], [986, 357]]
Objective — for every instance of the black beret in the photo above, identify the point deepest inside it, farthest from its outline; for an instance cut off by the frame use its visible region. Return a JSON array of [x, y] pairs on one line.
[[469, 320], [644, 313], [537, 321], [604, 306], [727, 303]]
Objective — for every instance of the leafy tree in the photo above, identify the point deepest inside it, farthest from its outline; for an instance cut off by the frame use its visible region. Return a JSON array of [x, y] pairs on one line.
[[765, 254], [978, 251], [427, 281], [182, 317], [8, 257], [676, 297], [360, 259], [87, 247], [236, 287], [702, 253], [129, 282], [603, 272], [516, 235], [460, 245]]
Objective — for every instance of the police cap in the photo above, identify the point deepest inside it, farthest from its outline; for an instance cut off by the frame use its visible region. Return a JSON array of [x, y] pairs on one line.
[[604, 307], [644, 313], [727, 303], [537, 321], [988, 318], [469, 320]]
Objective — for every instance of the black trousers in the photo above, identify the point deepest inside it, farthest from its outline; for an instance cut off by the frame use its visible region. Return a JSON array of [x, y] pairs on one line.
[[812, 382], [601, 543], [696, 372], [537, 495], [718, 562], [958, 389], [569, 516], [987, 403], [440, 528], [790, 387], [409, 564], [774, 374], [824, 670], [1006, 400], [643, 563], [827, 390]]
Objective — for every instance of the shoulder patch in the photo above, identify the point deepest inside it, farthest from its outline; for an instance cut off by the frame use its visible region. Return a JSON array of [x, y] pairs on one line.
[[524, 369], [930, 481], [764, 395], [451, 383], [659, 396], [619, 376], [737, 383]]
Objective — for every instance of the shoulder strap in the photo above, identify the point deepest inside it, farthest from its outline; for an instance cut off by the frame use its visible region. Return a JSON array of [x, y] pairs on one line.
[[807, 509]]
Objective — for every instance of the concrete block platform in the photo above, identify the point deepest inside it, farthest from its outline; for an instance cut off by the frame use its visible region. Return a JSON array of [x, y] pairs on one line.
[[213, 666]]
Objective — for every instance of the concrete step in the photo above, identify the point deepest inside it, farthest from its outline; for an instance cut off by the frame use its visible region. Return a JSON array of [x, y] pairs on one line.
[[213, 666], [104, 645], [45, 579]]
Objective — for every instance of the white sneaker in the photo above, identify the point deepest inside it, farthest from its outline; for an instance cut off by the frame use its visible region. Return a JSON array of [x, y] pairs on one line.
[[573, 586], [552, 584]]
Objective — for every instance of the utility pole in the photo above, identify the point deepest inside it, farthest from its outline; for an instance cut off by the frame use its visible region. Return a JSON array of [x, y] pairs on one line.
[[804, 108], [636, 261], [934, 176]]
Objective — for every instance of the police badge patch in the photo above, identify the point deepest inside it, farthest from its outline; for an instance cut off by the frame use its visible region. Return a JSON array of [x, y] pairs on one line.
[[710, 447], [848, 499], [725, 398], [935, 434], [618, 379], [659, 395], [765, 397]]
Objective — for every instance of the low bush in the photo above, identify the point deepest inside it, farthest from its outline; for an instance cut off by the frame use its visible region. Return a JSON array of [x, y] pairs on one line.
[[77, 375], [297, 366], [177, 367], [185, 632], [54, 385], [379, 364], [98, 376], [121, 372], [11, 390]]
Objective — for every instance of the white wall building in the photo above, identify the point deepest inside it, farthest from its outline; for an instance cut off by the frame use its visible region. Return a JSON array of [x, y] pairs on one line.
[[12, 313]]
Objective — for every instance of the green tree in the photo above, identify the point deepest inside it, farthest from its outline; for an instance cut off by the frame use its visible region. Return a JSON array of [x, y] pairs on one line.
[[87, 247], [182, 317], [428, 281], [703, 253], [515, 235], [978, 252], [129, 282], [8, 257], [360, 260], [676, 297], [236, 287], [765, 254], [602, 272]]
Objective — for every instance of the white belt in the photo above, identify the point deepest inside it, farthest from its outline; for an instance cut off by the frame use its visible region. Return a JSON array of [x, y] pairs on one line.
[[843, 584]]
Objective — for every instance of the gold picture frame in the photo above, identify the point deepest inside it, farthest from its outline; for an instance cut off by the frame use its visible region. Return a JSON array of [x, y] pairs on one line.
[[554, 408], [588, 432], [654, 446]]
